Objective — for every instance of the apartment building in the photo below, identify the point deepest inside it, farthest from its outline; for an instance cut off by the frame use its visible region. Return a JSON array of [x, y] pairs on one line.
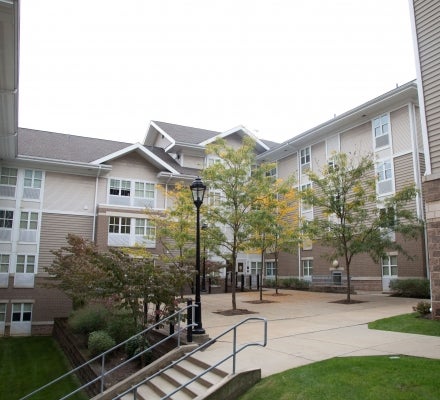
[[59, 184], [425, 19], [388, 129]]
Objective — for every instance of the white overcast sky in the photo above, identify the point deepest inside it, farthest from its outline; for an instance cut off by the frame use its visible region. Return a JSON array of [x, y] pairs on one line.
[[105, 68]]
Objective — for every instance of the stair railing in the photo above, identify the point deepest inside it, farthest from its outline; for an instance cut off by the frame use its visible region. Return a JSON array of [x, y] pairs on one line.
[[233, 355], [101, 377]]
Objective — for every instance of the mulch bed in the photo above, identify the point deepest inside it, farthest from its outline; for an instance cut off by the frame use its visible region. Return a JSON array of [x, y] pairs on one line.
[[238, 311], [259, 301], [347, 302]]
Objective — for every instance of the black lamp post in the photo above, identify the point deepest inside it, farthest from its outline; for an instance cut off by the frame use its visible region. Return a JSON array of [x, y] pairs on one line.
[[204, 228], [198, 192]]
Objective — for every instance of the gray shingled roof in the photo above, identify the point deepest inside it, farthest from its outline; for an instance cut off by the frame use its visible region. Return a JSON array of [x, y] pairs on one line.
[[63, 147], [59, 146], [186, 134]]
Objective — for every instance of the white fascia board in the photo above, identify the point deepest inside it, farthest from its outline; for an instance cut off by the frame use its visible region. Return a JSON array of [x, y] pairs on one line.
[[136, 147], [161, 131], [235, 130]]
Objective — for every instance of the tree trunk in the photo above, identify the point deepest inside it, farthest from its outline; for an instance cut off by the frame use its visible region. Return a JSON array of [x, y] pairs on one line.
[[234, 281], [347, 265]]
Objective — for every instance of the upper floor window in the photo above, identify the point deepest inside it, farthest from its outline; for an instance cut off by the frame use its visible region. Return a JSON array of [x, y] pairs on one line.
[[131, 193], [384, 177], [8, 176], [8, 181], [381, 129], [144, 194], [28, 226], [212, 160], [214, 197], [32, 184], [25, 264], [4, 263], [119, 225], [305, 156], [6, 219], [119, 188]]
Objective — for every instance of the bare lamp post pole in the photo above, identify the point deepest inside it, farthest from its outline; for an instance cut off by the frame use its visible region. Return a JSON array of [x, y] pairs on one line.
[[204, 228], [198, 192]]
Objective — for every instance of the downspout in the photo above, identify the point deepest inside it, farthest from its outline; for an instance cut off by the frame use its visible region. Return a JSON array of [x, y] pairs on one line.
[[95, 204], [298, 168], [419, 198]]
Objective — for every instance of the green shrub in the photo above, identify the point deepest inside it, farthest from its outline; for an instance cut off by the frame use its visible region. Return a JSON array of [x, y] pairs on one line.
[[88, 319], [423, 308], [417, 288], [137, 345], [99, 341], [120, 326]]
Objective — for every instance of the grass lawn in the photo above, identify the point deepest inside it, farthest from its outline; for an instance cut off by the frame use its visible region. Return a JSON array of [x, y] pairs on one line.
[[29, 363], [354, 378], [408, 323]]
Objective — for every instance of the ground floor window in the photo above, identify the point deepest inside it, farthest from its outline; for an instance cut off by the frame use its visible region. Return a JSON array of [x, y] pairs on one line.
[[2, 312], [307, 267], [270, 268], [389, 266], [21, 312], [255, 267]]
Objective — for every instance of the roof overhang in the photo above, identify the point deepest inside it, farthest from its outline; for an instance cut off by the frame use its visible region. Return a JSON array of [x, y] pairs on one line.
[[9, 45], [364, 113], [65, 167], [145, 153]]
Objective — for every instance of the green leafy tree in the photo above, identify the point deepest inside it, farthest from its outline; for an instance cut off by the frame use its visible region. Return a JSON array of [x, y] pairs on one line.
[[275, 223], [352, 220], [241, 187], [84, 273]]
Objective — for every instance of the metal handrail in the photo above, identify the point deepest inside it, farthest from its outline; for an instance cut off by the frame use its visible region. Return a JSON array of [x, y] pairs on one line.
[[232, 355], [101, 356]]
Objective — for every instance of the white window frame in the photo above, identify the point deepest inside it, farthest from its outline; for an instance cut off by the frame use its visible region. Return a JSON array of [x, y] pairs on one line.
[[307, 267], [145, 232], [382, 131], [5, 260], [32, 184], [119, 225], [131, 193], [390, 262], [271, 268], [24, 312], [5, 226], [306, 208], [255, 267], [305, 158], [29, 223], [7, 177], [385, 177]]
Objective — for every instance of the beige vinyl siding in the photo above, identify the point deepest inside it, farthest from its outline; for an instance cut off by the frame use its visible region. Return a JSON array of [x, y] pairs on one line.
[[70, 193], [133, 166], [287, 166], [358, 140], [193, 161], [54, 230], [161, 141], [234, 141], [319, 156], [400, 130], [404, 175], [427, 14], [419, 130]]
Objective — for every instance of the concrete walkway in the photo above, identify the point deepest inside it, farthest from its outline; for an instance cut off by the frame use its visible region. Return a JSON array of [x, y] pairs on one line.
[[304, 327]]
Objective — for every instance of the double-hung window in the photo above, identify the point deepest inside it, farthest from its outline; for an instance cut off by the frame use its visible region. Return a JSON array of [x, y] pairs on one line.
[[255, 267], [120, 225], [8, 181], [25, 271], [305, 159], [144, 194], [32, 184], [381, 129], [4, 270], [145, 232], [384, 177], [6, 220], [28, 226], [21, 312], [120, 191], [388, 220], [270, 269], [307, 268], [389, 266]]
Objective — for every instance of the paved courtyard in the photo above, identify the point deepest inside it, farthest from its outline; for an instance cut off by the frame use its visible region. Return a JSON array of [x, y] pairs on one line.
[[304, 327]]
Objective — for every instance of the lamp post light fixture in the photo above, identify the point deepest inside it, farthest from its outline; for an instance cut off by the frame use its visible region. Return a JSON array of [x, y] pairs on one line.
[[204, 228], [198, 189]]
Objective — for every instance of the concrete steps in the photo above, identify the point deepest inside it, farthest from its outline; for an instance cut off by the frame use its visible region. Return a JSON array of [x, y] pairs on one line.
[[178, 375]]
